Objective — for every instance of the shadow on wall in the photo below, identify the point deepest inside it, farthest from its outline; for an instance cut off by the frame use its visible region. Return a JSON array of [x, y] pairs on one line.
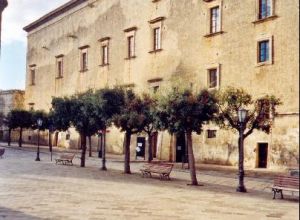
[[231, 149], [285, 156]]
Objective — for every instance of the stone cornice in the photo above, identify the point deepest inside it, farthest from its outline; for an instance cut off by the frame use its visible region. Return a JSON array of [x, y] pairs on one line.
[[53, 14]]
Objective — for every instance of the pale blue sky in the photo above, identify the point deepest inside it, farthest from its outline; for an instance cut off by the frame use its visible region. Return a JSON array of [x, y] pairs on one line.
[[18, 14]]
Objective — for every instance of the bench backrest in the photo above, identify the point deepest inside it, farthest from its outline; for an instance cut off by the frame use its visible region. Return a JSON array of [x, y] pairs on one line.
[[67, 156], [158, 167], [287, 181]]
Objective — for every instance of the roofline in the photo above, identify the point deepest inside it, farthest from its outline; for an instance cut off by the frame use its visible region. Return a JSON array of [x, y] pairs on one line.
[[53, 14]]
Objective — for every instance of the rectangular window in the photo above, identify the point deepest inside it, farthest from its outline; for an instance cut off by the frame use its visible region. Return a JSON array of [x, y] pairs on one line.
[[84, 59], [265, 8], [105, 55], [263, 51], [211, 133], [32, 76], [131, 48], [215, 20], [59, 67], [213, 78], [157, 38]]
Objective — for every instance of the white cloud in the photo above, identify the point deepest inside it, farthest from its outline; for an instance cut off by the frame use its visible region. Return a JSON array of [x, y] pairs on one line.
[[20, 13]]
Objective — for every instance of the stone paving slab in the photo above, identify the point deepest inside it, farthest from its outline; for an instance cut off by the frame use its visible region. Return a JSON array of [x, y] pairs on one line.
[[43, 190]]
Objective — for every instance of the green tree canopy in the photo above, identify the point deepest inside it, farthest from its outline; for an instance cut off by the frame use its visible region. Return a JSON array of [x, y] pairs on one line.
[[19, 118], [261, 111], [131, 121], [184, 112]]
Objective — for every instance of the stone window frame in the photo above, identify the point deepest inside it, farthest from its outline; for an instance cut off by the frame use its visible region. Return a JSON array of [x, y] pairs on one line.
[[155, 84], [272, 16], [211, 133], [155, 24], [271, 50], [59, 68], [84, 65], [31, 106], [130, 33], [210, 6], [105, 56], [217, 67], [32, 74]]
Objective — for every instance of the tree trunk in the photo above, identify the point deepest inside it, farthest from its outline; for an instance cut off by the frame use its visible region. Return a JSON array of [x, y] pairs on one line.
[[9, 137], [104, 150], [150, 153], [50, 141], [127, 153], [90, 146], [191, 159], [20, 137], [83, 149]]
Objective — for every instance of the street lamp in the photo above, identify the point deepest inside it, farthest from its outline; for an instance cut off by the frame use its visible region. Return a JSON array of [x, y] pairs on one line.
[[39, 124], [242, 115]]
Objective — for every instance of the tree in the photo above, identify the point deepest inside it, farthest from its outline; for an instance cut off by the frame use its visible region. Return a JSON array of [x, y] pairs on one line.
[[129, 120], [184, 112], [149, 116], [21, 119], [84, 118], [260, 114], [109, 104]]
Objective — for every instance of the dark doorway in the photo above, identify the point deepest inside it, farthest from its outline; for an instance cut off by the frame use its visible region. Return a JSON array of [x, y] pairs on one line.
[[262, 155], [55, 143], [180, 148], [140, 148], [154, 144]]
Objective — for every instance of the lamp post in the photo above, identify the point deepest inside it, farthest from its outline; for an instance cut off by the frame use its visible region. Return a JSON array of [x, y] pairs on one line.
[[39, 124], [242, 114]]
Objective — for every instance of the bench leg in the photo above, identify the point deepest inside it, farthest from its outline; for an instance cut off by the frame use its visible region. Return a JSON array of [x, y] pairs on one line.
[[281, 194], [274, 193]]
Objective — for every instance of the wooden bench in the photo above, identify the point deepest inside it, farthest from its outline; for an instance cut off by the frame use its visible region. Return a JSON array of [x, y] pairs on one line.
[[162, 169], [287, 183], [2, 150], [65, 159]]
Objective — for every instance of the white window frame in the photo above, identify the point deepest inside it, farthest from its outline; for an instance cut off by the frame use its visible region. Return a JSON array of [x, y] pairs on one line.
[[257, 11], [82, 67], [271, 50], [210, 6], [105, 54], [130, 33], [156, 41], [217, 67]]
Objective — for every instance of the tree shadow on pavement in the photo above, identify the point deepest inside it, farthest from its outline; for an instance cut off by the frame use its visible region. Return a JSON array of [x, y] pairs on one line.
[[6, 213]]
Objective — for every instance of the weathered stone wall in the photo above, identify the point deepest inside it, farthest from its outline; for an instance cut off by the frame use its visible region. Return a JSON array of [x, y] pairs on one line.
[[186, 56]]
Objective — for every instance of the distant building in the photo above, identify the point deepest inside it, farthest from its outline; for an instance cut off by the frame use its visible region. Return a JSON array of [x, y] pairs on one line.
[[151, 44], [10, 99]]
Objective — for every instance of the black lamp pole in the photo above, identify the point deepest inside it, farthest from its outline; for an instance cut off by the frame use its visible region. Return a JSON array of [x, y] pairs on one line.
[[39, 124], [242, 114]]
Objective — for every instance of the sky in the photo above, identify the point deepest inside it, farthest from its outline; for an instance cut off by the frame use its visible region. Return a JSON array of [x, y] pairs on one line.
[[17, 15]]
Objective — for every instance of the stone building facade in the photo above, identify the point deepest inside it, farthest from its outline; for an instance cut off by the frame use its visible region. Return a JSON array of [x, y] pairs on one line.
[[10, 99], [154, 44]]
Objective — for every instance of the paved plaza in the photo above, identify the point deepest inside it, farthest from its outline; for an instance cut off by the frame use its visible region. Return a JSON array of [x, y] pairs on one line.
[[43, 190]]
